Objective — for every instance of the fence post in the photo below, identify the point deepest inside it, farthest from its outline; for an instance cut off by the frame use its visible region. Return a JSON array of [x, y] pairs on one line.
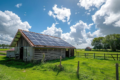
[[117, 74], [78, 70], [60, 61], [94, 55], [104, 55]]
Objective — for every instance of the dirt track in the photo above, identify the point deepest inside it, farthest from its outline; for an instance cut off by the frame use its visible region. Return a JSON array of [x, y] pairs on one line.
[[2, 55], [3, 51]]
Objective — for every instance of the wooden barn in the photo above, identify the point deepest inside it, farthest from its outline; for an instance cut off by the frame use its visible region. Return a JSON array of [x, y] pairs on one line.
[[87, 49], [30, 46]]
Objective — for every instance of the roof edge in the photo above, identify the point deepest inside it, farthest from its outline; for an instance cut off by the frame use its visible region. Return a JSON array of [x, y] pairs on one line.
[[14, 38], [26, 38]]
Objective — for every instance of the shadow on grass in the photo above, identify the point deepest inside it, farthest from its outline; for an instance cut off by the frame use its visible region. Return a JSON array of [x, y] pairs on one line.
[[58, 60], [15, 63], [11, 62]]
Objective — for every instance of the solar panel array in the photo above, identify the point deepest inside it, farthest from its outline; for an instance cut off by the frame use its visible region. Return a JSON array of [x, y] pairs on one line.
[[39, 39]]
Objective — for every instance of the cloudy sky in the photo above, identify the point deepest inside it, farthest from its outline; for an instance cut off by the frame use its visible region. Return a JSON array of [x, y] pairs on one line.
[[75, 21]]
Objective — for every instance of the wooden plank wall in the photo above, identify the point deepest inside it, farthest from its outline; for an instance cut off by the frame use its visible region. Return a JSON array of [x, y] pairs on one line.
[[50, 54], [22, 42]]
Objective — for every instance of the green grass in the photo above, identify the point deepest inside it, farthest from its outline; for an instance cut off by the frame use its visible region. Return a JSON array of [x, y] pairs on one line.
[[4, 49], [90, 69], [2, 53]]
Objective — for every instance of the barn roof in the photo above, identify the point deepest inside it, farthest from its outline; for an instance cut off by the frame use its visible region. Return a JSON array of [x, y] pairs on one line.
[[87, 48], [40, 40]]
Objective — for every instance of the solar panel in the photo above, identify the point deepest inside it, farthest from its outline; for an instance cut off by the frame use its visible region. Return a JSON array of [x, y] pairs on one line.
[[39, 39]]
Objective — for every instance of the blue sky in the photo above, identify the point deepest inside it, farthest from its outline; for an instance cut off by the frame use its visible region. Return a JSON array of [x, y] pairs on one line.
[[39, 18], [87, 19]]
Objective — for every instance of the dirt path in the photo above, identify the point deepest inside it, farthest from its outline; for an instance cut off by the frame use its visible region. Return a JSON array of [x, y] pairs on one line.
[[2, 55], [3, 51]]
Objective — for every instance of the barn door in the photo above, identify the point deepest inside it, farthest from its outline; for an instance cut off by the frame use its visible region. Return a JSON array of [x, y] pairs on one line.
[[67, 52], [27, 55], [21, 53], [24, 53]]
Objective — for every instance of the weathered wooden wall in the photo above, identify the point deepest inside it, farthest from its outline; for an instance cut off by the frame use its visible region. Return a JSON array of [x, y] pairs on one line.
[[50, 54], [26, 48], [10, 54], [22, 42]]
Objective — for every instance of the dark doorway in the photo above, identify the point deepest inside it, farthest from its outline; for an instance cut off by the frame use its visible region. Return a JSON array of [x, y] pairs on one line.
[[67, 53], [72, 52], [21, 53]]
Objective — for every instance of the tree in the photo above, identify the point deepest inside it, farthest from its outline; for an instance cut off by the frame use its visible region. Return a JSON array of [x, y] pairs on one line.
[[0, 45], [111, 40], [105, 44], [97, 43], [3, 46]]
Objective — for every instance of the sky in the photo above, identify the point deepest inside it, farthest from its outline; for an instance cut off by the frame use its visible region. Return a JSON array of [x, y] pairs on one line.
[[76, 21]]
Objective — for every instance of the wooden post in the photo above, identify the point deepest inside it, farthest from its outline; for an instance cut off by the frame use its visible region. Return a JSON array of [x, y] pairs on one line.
[[78, 69], [117, 72], [94, 55], [104, 55], [117, 56], [60, 60]]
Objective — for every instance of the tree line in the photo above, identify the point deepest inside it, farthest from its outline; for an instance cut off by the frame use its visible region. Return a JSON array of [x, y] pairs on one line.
[[4, 46], [111, 41]]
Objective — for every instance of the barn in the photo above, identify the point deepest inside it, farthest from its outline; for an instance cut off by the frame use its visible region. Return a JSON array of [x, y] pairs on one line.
[[30, 46], [87, 49]]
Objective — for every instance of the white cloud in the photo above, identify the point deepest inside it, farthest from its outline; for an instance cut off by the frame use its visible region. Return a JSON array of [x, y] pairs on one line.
[[117, 24], [77, 35], [107, 18], [9, 24], [53, 31], [62, 13], [87, 4], [18, 5], [88, 13], [69, 23], [89, 35]]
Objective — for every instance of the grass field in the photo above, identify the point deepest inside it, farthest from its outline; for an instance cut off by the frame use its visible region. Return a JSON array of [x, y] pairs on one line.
[[4, 49], [90, 69], [2, 53]]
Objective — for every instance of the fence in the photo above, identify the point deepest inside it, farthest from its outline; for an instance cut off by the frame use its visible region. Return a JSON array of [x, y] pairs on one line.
[[99, 55]]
